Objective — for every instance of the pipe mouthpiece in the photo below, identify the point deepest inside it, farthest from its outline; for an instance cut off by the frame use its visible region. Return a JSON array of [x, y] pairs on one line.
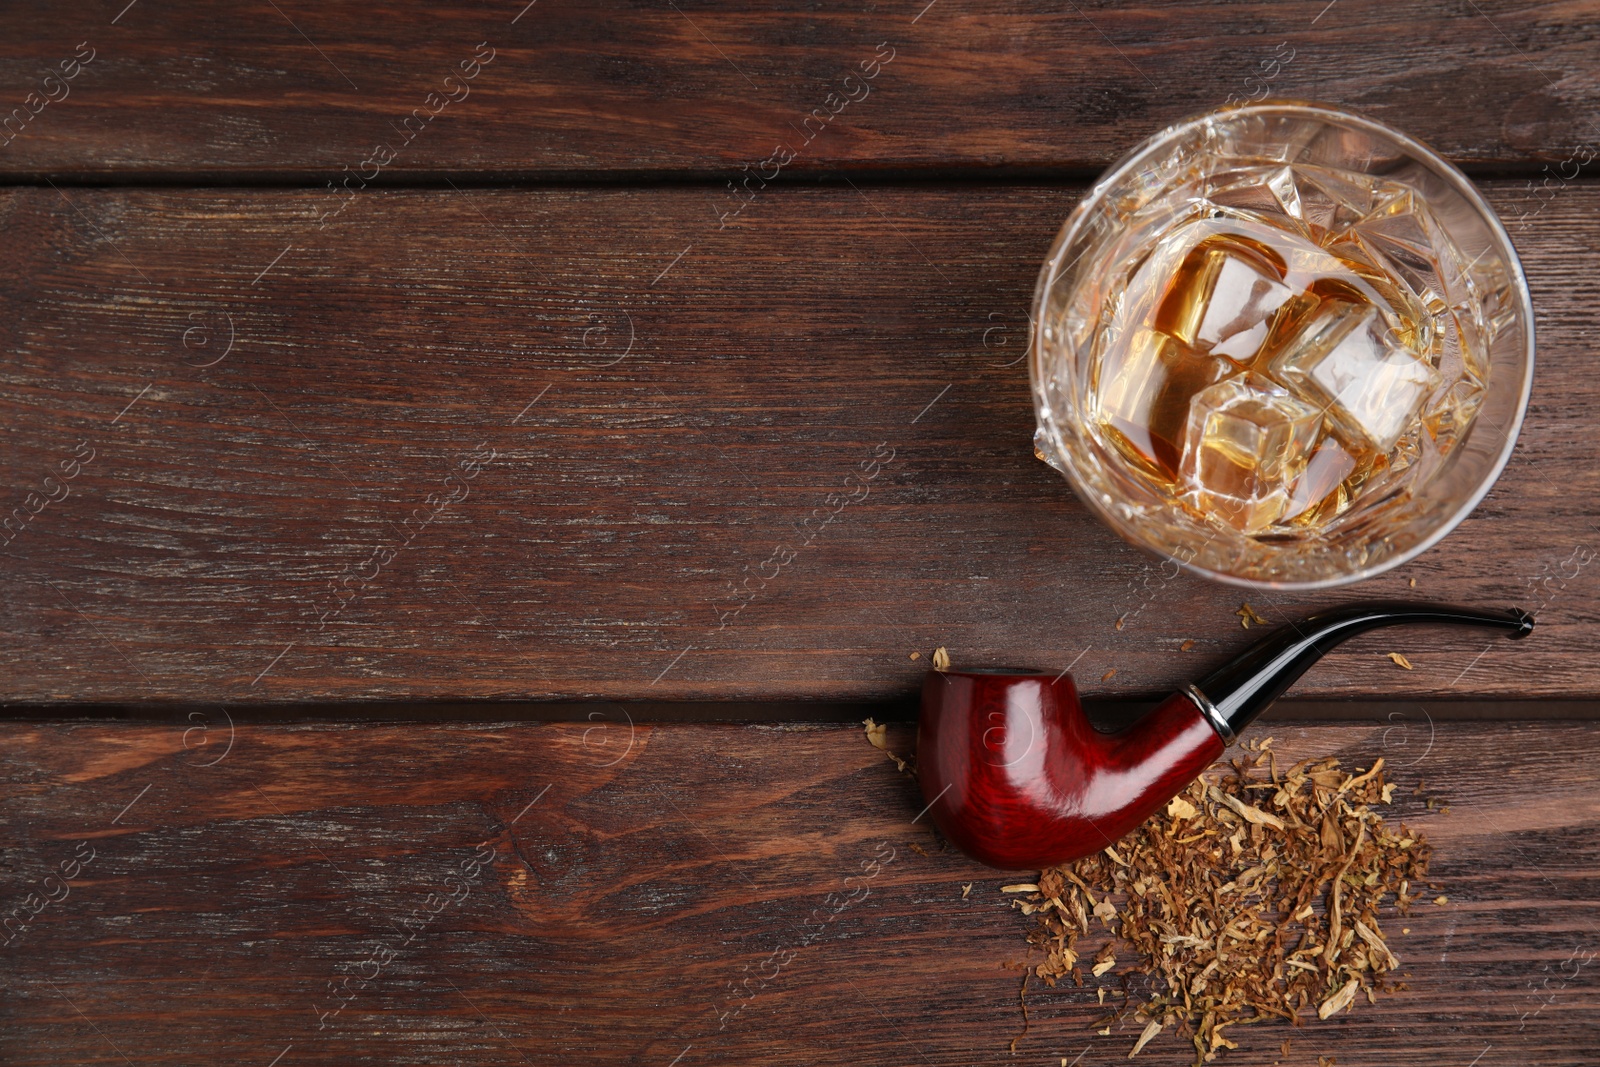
[[1236, 693], [1524, 624]]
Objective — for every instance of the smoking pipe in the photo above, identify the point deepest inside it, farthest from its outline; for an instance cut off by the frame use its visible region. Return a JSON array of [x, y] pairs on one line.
[[1015, 776]]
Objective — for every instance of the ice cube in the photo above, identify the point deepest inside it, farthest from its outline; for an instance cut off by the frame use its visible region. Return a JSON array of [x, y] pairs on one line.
[[1281, 182], [1344, 360], [1247, 195], [1329, 465], [1242, 303], [1354, 192], [1290, 193], [1221, 299], [1331, 200], [1401, 221], [1144, 388], [1404, 275], [1246, 444], [1404, 238]]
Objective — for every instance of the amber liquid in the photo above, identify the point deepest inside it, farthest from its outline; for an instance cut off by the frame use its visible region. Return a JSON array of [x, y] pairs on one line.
[[1284, 345]]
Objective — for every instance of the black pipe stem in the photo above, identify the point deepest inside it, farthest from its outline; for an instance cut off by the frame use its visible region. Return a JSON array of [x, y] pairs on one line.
[[1245, 686]]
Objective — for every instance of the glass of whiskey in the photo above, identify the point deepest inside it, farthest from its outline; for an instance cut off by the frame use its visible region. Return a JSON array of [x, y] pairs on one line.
[[1281, 344]]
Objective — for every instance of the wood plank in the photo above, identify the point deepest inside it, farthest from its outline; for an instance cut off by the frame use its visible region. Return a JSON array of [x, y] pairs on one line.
[[291, 90], [634, 884], [200, 554]]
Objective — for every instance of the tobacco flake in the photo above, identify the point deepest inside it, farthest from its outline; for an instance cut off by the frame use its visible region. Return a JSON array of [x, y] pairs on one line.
[[1249, 812], [878, 736], [1401, 661], [1340, 1000], [1145, 1038], [941, 659], [1371, 937]]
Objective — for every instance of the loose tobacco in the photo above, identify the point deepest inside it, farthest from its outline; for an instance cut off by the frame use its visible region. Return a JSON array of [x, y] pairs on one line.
[[1254, 896]]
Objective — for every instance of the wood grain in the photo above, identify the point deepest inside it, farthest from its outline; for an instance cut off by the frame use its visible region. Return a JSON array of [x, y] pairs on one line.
[[288, 90], [237, 499], [635, 882]]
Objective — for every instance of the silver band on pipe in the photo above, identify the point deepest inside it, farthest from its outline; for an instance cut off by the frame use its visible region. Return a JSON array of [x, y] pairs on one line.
[[1213, 716]]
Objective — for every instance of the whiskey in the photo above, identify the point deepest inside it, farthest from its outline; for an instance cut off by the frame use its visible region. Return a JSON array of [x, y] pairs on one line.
[[1282, 347]]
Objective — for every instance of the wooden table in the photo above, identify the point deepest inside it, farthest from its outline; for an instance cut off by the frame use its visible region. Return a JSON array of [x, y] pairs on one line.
[[422, 373]]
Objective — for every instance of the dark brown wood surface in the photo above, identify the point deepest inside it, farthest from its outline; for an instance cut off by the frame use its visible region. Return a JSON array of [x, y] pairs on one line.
[[636, 882], [666, 401], [258, 366], [291, 90]]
